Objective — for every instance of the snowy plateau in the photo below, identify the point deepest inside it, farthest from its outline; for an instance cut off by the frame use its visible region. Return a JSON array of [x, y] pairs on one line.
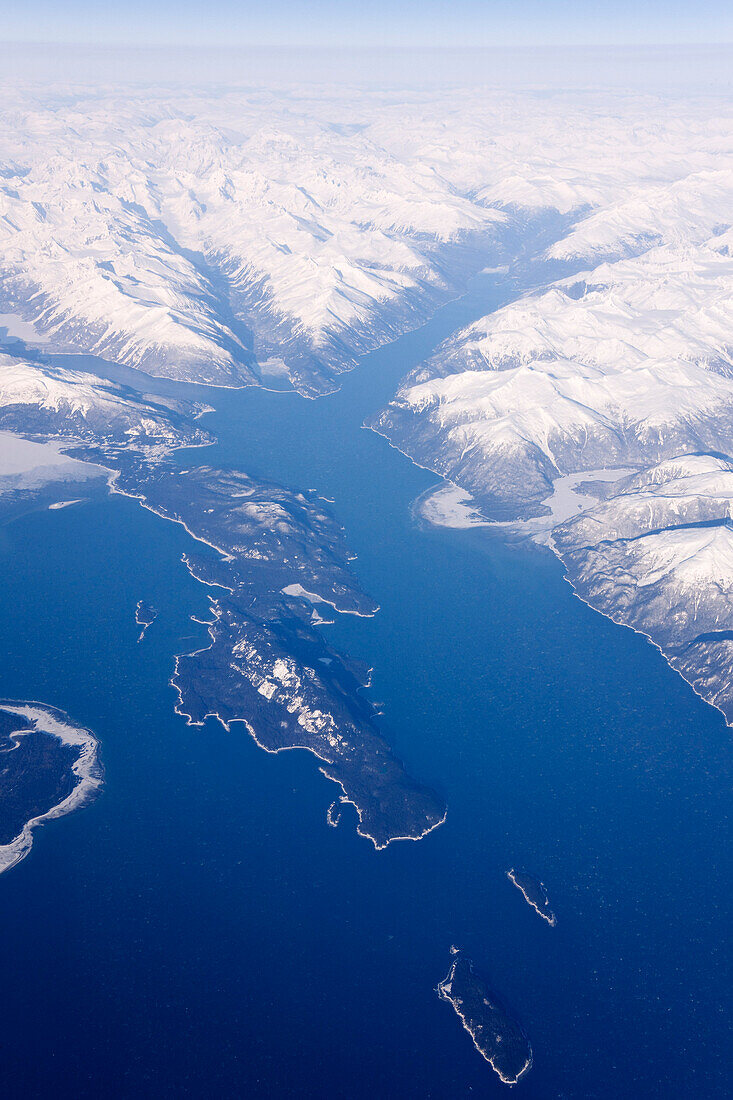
[[228, 237]]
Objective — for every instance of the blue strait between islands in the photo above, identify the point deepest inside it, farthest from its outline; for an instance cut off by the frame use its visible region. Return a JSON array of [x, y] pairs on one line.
[[200, 930]]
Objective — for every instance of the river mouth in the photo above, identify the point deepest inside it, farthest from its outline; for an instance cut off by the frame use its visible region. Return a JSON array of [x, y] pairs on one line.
[[225, 937]]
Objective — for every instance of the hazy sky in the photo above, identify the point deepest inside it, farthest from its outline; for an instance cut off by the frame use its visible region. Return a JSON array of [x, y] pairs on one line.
[[368, 22]]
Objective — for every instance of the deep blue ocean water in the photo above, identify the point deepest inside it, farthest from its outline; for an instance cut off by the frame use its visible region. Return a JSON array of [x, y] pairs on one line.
[[200, 930]]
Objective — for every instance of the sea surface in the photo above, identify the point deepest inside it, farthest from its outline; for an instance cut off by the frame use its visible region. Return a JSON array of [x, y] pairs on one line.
[[200, 930]]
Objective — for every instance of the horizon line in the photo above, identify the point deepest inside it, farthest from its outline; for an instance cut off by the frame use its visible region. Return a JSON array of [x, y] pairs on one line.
[[360, 47]]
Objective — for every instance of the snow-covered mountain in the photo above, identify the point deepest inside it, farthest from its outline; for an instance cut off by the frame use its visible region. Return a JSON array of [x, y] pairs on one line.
[[46, 402], [657, 555], [171, 232], [201, 234], [681, 492], [627, 362]]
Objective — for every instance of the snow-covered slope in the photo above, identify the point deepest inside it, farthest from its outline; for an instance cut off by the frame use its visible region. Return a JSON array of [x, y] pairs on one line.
[[629, 363], [673, 574], [677, 582], [657, 555], [169, 232], [679, 492], [45, 402], [194, 233]]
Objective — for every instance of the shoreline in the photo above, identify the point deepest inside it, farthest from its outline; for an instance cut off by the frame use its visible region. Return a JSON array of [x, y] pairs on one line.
[[444, 991], [344, 798], [87, 767], [546, 542], [550, 918]]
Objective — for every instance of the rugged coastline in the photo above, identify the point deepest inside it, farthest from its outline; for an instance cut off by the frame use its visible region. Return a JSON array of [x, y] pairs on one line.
[[272, 556]]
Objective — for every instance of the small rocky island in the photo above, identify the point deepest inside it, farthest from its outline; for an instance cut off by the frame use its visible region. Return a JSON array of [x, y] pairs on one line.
[[534, 893], [145, 616], [496, 1036]]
